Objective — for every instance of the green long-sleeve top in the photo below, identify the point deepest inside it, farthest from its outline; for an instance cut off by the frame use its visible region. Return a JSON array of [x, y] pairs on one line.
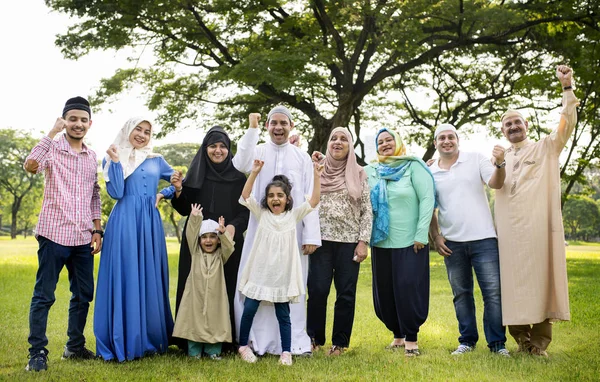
[[410, 200]]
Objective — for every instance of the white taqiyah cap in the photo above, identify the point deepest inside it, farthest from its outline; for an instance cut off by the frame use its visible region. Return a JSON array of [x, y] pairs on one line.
[[444, 127], [207, 226]]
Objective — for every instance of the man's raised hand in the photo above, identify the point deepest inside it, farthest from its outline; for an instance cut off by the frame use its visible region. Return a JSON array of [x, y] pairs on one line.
[[253, 118], [498, 154], [59, 126], [565, 75]]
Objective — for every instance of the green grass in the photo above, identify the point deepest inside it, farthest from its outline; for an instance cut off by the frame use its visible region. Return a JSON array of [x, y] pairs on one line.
[[574, 353]]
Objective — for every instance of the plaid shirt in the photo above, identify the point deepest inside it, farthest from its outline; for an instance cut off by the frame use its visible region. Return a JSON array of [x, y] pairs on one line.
[[71, 193]]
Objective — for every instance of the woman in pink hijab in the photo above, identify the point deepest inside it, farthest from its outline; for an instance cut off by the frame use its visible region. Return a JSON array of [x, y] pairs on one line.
[[346, 218]]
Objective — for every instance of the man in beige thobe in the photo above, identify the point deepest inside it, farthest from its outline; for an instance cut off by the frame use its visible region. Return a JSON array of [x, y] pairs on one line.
[[531, 241]]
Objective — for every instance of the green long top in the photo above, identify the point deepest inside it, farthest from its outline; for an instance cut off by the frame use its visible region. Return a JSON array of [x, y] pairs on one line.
[[410, 202]]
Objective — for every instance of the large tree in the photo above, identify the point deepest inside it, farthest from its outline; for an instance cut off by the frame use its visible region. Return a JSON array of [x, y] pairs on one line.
[[14, 180], [583, 154], [330, 60]]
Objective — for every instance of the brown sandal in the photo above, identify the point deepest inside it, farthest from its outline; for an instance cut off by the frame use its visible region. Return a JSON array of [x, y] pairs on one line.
[[412, 352]]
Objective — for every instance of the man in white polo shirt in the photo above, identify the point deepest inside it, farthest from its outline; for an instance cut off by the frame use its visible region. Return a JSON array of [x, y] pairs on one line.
[[468, 238]]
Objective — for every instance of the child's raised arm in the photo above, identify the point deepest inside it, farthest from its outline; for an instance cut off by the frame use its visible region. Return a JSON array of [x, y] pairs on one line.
[[256, 167], [316, 194], [193, 227]]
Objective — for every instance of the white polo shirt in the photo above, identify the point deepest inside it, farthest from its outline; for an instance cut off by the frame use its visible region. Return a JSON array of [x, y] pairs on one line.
[[464, 212]]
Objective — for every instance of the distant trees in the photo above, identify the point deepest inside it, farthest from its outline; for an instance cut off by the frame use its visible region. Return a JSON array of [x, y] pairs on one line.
[[17, 185], [581, 217], [179, 156]]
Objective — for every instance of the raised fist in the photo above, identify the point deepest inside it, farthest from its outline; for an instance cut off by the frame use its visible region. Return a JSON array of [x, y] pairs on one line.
[[113, 153], [253, 118], [565, 75], [59, 126]]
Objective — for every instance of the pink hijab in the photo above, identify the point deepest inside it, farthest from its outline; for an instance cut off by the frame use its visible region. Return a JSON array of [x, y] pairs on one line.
[[346, 173]]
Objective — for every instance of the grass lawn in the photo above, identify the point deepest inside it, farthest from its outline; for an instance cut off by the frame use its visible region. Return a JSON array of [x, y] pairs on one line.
[[574, 353]]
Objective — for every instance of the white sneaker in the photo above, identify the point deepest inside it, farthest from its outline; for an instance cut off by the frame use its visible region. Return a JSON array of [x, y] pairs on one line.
[[286, 358], [462, 349], [503, 353], [247, 354]]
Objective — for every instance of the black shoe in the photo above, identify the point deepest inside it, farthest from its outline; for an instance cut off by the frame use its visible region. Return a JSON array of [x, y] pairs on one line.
[[37, 362], [83, 353]]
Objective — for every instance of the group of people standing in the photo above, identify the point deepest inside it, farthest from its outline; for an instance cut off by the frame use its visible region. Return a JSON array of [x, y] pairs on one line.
[[235, 290]]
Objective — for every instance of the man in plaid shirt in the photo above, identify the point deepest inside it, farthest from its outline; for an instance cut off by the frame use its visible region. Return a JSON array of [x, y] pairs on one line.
[[68, 231]]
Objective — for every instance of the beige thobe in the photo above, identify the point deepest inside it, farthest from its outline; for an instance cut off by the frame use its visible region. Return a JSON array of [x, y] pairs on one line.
[[203, 315], [531, 240]]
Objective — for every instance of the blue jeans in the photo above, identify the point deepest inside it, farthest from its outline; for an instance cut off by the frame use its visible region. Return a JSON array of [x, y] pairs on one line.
[[282, 311], [52, 257], [482, 257]]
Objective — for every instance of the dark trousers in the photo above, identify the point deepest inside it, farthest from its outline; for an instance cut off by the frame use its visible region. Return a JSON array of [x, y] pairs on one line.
[[332, 261], [282, 312], [401, 289], [52, 257]]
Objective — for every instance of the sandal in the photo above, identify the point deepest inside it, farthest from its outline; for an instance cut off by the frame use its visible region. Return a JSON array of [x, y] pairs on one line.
[[314, 347], [394, 347], [335, 351], [412, 352]]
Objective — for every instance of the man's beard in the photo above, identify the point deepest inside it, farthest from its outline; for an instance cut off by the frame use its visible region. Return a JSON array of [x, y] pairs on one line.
[[72, 137]]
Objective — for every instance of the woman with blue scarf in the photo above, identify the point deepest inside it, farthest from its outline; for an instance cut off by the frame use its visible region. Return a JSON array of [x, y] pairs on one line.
[[402, 197]]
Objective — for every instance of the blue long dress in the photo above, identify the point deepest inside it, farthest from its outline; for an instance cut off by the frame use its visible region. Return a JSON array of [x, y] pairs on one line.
[[132, 315]]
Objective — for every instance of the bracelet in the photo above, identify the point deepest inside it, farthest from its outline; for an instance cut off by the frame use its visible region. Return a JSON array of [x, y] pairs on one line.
[[99, 232], [568, 87], [501, 165]]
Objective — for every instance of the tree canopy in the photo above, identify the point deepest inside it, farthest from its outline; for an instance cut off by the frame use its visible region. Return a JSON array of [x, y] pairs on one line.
[[337, 63]]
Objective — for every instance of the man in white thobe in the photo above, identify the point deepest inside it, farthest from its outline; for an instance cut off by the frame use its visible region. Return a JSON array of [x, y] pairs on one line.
[[533, 270], [280, 157]]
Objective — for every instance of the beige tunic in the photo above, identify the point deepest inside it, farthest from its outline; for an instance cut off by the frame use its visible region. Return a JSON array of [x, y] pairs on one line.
[[531, 239], [204, 311]]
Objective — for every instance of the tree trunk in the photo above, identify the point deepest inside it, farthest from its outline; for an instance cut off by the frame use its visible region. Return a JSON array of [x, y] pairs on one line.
[[429, 152], [322, 127], [16, 205]]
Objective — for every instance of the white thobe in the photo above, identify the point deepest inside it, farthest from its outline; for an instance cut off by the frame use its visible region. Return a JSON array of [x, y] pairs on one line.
[[292, 162]]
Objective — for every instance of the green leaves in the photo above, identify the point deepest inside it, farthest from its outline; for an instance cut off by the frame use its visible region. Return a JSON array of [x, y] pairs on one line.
[[220, 59]]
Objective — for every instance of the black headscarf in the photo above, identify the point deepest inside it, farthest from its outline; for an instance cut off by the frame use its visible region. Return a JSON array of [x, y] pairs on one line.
[[203, 168]]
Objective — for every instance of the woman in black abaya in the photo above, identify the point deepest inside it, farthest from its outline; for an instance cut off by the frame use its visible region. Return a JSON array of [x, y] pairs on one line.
[[216, 185]]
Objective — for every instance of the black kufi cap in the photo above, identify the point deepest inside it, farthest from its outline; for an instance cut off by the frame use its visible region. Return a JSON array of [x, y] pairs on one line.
[[77, 103]]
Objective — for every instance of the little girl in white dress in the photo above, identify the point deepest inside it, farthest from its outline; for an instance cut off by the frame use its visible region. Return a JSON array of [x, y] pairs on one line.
[[273, 272]]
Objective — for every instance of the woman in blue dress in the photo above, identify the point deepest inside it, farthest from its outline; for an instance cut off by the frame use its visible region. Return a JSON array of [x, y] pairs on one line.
[[132, 315]]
